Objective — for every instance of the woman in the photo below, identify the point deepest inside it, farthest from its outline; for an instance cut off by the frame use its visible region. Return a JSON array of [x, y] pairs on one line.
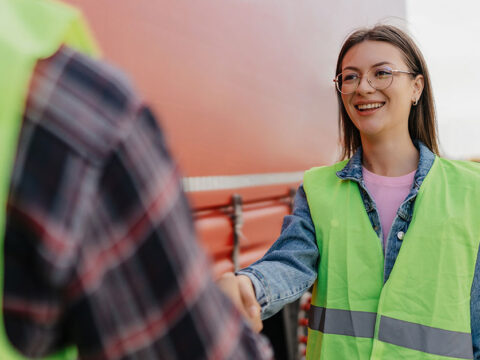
[[391, 236]]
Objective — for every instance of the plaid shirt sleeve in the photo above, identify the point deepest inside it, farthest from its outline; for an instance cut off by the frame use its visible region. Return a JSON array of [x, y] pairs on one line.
[[100, 250]]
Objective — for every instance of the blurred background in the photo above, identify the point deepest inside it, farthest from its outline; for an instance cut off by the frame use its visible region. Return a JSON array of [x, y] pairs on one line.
[[446, 32], [245, 94]]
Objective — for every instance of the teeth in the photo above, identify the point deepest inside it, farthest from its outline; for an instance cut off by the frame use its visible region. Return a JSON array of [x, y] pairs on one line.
[[369, 106]]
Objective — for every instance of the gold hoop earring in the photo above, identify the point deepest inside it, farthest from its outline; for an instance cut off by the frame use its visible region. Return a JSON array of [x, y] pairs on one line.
[[415, 102]]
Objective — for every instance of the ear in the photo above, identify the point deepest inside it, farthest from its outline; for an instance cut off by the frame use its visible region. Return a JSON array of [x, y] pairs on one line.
[[418, 84]]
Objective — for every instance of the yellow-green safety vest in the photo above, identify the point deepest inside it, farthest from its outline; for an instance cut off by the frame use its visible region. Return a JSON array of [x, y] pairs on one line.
[[29, 30], [423, 310]]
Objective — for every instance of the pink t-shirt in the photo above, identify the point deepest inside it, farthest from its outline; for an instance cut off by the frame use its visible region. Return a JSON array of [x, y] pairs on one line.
[[388, 194]]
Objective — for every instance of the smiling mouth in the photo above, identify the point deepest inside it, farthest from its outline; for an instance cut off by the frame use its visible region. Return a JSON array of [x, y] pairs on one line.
[[363, 107]]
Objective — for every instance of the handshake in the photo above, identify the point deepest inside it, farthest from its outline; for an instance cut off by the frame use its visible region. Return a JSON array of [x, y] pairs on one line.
[[240, 290]]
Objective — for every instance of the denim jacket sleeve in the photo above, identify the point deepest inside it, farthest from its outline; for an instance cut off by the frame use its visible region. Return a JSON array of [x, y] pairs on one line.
[[289, 267]]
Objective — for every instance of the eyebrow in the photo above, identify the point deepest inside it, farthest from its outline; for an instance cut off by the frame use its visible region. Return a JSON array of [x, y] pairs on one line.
[[374, 65]]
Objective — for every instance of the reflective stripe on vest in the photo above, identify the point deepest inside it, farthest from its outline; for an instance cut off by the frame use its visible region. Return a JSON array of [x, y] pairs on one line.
[[423, 310], [29, 30], [402, 333], [425, 338], [342, 322]]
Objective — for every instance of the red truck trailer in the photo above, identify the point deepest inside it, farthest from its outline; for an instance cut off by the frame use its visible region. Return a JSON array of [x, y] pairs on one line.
[[244, 92]]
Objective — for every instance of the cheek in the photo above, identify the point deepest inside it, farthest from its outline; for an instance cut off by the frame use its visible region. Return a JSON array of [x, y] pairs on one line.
[[402, 97], [345, 99], [402, 102], [347, 103]]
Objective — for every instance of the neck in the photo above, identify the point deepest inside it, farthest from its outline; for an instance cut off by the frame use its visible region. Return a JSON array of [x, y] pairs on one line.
[[390, 158]]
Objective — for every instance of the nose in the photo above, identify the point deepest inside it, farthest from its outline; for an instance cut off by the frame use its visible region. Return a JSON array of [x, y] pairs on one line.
[[364, 86]]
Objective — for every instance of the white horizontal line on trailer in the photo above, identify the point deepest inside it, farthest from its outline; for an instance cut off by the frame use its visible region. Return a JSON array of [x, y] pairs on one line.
[[209, 183]]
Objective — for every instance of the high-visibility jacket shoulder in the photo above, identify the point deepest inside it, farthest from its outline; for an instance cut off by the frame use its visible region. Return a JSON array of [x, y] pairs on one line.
[[423, 310], [29, 30]]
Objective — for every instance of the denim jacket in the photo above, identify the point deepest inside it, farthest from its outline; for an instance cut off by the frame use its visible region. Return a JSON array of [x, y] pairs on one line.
[[289, 267]]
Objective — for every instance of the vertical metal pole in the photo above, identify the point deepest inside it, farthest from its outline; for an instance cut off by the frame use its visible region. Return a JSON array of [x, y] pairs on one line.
[[291, 195], [237, 228]]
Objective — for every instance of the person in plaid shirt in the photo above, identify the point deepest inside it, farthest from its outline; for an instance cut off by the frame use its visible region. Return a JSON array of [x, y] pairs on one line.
[[100, 250]]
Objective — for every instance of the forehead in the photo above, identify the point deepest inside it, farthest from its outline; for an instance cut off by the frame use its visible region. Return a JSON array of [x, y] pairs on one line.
[[367, 53]]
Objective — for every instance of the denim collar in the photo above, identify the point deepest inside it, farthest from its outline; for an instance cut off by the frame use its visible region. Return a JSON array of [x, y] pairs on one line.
[[353, 169]]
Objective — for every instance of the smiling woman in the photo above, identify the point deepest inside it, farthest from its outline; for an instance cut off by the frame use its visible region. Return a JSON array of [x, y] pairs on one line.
[[395, 52], [374, 231], [378, 105]]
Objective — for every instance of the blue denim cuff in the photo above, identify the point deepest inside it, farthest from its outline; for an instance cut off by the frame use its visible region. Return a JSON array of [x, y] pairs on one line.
[[259, 286]]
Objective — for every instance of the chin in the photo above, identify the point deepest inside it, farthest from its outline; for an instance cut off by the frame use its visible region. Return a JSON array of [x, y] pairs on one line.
[[370, 130]]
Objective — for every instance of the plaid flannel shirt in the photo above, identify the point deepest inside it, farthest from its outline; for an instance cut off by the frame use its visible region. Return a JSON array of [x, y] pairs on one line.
[[100, 250]]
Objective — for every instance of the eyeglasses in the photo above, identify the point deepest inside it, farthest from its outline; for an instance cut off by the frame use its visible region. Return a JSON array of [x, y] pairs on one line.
[[379, 78]]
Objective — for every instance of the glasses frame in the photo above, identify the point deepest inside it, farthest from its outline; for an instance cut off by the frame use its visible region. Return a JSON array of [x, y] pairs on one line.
[[394, 71]]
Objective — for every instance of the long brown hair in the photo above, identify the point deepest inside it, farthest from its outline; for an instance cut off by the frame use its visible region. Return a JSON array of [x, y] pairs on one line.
[[422, 123]]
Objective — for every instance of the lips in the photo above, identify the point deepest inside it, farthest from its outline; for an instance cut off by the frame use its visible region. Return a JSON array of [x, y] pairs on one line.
[[369, 106]]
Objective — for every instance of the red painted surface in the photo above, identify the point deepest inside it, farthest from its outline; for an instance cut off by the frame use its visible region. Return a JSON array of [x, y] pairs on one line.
[[241, 87]]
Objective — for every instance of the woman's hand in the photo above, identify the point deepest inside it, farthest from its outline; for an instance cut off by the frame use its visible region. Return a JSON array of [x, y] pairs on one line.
[[241, 292]]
